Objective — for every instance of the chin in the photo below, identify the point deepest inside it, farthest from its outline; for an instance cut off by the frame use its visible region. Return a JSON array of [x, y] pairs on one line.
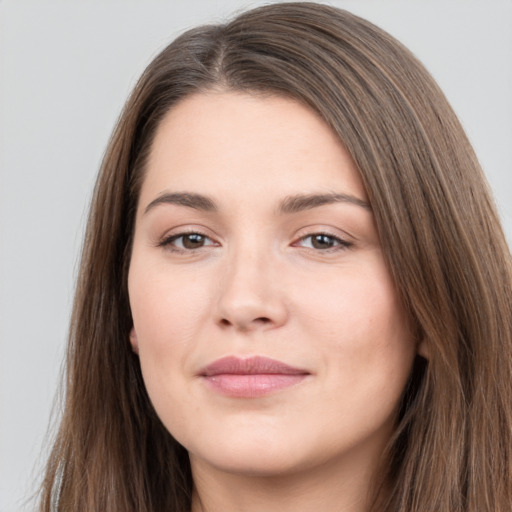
[[252, 463], [256, 456]]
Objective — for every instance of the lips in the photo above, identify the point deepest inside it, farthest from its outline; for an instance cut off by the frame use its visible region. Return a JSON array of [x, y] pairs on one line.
[[251, 377]]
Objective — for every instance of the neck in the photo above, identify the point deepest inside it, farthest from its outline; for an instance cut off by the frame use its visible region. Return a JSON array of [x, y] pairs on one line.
[[327, 488]]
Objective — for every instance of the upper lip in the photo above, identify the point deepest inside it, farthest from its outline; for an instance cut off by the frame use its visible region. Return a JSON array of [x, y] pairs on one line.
[[250, 366]]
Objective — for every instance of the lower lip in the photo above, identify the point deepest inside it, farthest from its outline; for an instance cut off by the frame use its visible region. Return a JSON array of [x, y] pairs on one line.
[[252, 386]]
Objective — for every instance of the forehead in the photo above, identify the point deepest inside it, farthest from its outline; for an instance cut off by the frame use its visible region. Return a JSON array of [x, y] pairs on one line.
[[218, 142]]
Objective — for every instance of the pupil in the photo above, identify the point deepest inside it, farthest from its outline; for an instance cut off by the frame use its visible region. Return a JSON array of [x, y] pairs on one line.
[[322, 241], [193, 241]]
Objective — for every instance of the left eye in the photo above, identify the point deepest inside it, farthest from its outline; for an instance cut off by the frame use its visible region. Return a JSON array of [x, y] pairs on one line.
[[188, 241], [322, 241]]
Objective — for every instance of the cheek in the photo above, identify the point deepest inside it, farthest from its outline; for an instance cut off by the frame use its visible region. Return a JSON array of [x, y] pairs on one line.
[[166, 311], [354, 304], [367, 355], [361, 328], [166, 307]]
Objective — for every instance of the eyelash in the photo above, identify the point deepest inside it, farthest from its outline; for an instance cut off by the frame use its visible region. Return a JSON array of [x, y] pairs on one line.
[[338, 243], [167, 242]]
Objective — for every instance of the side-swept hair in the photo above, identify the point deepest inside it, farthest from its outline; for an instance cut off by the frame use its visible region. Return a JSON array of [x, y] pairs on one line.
[[442, 240]]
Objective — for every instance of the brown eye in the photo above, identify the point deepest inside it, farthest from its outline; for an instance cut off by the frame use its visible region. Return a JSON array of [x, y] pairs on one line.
[[323, 242], [193, 241], [187, 242]]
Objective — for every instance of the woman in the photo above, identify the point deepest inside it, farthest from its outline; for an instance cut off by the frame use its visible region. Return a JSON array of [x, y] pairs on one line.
[[294, 293]]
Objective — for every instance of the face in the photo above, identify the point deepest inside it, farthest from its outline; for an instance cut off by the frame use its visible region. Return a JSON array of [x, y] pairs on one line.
[[267, 325]]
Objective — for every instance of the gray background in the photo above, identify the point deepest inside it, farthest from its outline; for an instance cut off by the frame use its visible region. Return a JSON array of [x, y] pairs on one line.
[[65, 71]]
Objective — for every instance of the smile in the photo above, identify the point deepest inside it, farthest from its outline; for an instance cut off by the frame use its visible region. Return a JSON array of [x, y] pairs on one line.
[[252, 377]]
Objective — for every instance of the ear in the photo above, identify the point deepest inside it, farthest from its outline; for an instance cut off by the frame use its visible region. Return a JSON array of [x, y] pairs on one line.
[[133, 341], [423, 349]]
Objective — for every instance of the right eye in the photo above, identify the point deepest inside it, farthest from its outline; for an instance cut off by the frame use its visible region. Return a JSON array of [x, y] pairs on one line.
[[187, 241]]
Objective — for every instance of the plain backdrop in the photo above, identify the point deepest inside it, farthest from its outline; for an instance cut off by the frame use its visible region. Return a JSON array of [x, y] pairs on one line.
[[66, 69]]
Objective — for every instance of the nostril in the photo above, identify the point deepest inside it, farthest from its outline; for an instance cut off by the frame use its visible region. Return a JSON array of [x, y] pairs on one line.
[[262, 320]]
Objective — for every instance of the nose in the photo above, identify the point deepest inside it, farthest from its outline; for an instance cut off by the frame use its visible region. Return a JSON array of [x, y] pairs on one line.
[[251, 297]]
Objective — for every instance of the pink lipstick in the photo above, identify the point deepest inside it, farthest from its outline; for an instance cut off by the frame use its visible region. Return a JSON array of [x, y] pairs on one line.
[[252, 377]]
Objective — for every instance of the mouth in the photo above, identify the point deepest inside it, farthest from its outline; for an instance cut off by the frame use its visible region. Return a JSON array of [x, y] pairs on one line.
[[250, 377]]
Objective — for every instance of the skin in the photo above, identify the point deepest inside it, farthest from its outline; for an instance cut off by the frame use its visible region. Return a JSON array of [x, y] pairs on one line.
[[257, 283]]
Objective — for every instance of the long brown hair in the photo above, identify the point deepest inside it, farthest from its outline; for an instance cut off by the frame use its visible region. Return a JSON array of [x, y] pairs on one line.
[[452, 449]]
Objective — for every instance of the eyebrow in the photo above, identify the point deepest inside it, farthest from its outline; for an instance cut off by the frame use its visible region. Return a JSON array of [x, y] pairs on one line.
[[301, 202], [188, 199], [290, 204]]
